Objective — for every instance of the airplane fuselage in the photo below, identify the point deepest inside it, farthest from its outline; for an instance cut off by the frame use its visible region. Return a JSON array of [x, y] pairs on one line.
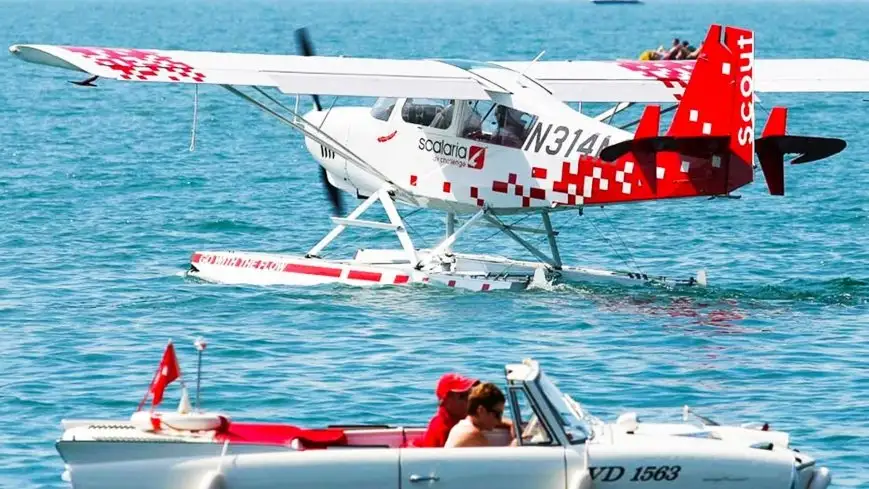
[[508, 153]]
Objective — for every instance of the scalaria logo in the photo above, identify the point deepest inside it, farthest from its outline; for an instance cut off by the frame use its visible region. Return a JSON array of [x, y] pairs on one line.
[[455, 154]]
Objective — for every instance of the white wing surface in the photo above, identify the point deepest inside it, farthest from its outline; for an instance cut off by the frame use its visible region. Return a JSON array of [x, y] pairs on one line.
[[292, 74], [665, 81], [585, 81]]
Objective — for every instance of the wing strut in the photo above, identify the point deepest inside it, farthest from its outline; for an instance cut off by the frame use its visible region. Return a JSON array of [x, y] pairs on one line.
[[318, 135]]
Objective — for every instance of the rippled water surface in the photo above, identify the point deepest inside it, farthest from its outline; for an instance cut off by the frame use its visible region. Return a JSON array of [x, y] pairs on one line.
[[102, 205]]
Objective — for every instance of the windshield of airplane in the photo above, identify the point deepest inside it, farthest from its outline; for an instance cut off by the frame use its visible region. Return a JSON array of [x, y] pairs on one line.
[[382, 108], [489, 122], [574, 419]]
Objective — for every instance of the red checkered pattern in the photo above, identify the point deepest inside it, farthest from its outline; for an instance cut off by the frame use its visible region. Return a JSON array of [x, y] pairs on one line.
[[572, 182], [694, 117], [673, 74], [475, 194], [135, 64], [519, 190], [589, 179]]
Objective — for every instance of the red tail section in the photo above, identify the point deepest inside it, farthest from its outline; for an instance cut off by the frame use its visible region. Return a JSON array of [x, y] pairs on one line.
[[740, 42], [719, 102], [707, 104], [649, 126], [709, 147]]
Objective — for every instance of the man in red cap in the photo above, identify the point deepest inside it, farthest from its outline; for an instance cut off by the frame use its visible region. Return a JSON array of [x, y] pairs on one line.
[[452, 391]]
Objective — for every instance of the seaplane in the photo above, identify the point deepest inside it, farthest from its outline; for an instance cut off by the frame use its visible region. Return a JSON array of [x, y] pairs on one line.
[[554, 442], [485, 142]]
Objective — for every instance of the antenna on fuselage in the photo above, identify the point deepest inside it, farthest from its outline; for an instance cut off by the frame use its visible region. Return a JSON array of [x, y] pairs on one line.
[[533, 61]]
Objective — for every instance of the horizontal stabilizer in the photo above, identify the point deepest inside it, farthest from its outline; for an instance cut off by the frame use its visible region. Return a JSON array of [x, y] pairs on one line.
[[775, 144], [699, 146], [810, 148]]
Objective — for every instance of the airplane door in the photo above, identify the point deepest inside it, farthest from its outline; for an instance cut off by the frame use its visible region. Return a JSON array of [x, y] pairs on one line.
[[483, 468]]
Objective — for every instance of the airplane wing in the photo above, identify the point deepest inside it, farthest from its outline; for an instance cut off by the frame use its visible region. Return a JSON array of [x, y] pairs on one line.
[[665, 81], [585, 81], [325, 75]]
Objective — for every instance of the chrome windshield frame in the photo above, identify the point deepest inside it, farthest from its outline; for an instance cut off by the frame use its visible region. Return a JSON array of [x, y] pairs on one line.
[[559, 412], [567, 412]]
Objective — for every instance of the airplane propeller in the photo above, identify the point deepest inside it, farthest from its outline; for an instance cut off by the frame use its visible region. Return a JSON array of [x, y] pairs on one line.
[[306, 48]]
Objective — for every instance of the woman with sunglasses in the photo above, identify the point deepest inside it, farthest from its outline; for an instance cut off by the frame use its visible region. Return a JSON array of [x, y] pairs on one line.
[[485, 409]]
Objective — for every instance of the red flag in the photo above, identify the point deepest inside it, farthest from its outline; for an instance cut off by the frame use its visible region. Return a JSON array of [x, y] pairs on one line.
[[167, 372]]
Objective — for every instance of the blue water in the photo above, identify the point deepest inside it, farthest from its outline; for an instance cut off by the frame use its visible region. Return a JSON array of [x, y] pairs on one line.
[[102, 205]]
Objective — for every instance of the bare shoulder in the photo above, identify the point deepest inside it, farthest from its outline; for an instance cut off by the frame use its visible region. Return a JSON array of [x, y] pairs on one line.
[[471, 439]]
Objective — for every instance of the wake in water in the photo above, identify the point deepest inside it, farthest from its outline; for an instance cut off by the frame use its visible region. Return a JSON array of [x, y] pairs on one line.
[[720, 307]]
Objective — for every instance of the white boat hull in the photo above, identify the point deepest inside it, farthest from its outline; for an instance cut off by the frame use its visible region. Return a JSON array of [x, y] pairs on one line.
[[557, 444], [679, 456]]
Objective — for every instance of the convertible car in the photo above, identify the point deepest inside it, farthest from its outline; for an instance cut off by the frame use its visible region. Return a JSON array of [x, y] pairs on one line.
[[560, 446]]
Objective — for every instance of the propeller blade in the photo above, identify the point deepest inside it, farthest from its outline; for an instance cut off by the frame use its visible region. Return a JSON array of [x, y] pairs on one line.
[[306, 48], [333, 192]]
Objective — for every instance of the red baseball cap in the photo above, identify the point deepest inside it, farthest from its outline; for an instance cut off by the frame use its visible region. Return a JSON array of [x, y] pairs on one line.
[[453, 382]]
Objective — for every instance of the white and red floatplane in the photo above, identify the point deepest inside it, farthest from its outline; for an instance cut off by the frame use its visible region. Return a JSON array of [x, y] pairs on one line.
[[559, 445], [490, 140]]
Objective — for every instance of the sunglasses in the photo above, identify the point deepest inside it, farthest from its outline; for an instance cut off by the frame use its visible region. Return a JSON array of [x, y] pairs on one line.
[[498, 413]]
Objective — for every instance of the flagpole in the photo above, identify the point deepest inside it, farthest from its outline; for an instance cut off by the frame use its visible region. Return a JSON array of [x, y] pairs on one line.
[[200, 347], [151, 384], [148, 391]]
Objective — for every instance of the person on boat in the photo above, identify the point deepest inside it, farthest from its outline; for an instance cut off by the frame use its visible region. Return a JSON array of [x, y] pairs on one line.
[[452, 392], [686, 50], [675, 49], [652, 54], [695, 53], [485, 411]]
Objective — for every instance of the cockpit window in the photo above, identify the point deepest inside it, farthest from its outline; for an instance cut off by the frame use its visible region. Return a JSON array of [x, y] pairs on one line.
[[489, 122], [382, 108], [437, 114]]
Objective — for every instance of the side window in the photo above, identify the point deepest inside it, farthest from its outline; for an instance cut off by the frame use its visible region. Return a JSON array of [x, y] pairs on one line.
[[531, 427], [497, 124], [382, 108], [425, 112]]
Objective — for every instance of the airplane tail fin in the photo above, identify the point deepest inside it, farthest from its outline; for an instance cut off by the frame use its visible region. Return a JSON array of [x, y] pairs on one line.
[[709, 148], [711, 138], [646, 159], [716, 111]]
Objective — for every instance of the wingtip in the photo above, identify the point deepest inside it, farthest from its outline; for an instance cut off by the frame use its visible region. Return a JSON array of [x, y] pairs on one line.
[[14, 49]]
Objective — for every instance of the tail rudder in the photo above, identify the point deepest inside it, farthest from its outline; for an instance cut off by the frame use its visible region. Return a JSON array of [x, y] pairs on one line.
[[740, 43], [718, 104]]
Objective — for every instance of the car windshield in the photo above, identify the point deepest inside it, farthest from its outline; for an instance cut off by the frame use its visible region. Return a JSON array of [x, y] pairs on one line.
[[576, 421]]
